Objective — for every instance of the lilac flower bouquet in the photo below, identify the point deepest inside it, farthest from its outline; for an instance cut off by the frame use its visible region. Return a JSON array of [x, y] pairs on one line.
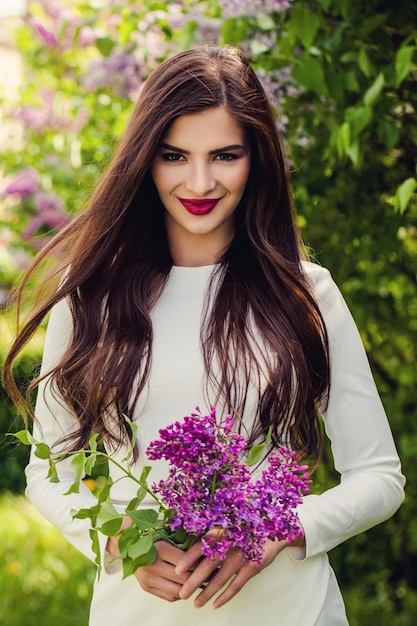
[[208, 495]]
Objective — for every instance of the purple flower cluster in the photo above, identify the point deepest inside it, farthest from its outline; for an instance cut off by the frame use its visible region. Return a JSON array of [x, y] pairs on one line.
[[122, 72], [237, 8], [211, 491]]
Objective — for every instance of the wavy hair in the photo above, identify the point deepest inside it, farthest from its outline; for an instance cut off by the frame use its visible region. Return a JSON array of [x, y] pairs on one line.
[[115, 260]]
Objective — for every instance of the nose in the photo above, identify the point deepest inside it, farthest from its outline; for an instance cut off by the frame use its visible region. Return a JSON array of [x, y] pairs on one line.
[[200, 179]]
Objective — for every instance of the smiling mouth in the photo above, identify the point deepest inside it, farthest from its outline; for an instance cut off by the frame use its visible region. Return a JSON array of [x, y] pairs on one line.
[[199, 206]]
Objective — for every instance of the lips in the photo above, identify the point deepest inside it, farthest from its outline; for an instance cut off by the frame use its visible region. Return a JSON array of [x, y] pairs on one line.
[[199, 206]]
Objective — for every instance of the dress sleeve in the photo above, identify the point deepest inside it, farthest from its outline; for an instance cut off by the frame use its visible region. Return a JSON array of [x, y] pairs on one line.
[[371, 484], [53, 420]]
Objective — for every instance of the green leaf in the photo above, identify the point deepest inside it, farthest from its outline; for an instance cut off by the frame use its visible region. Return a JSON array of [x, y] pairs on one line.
[[134, 503], [305, 24], [258, 47], [180, 535], [140, 547], [354, 153], [133, 428], [372, 94], [145, 519], [104, 492], [144, 475], [256, 452], [105, 45], [111, 528], [343, 139], [90, 513], [52, 473], [358, 118], [90, 462], [403, 62], [308, 73], [24, 436], [78, 463], [350, 81], [389, 133], [108, 519], [364, 63], [265, 22], [127, 537], [95, 545], [42, 451], [92, 444], [404, 193], [131, 565]]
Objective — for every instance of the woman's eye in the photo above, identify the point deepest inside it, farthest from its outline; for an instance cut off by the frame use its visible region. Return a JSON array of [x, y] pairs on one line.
[[226, 156], [172, 156]]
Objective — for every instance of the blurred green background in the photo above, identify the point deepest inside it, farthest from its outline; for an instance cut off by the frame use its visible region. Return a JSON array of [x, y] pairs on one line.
[[342, 73]]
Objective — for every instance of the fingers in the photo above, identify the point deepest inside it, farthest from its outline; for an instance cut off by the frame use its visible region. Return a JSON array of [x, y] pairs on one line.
[[205, 572], [158, 585], [242, 576], [190, 559], [160, 578], [212, 575], [169, 553]]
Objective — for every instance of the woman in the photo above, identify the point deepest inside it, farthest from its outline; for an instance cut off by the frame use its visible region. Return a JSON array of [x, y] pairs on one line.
[[184, 280]]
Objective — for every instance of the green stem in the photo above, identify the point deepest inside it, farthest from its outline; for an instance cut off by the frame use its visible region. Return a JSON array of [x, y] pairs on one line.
[[60, 457]]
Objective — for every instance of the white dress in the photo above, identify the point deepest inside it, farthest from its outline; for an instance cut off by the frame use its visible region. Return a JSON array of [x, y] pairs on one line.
[[299, 588]]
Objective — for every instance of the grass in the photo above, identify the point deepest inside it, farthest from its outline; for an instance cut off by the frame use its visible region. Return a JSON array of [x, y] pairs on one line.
[[43, 579]]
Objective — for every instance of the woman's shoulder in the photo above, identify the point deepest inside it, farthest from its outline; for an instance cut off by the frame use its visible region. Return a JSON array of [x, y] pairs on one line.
[[324, 289], [317, 275]]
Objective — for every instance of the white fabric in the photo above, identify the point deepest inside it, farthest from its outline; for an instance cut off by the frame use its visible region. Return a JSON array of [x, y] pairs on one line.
[[298, 588]]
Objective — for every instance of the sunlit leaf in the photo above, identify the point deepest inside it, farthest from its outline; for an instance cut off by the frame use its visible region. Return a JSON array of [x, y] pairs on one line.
[[24, 436], [404, 194], [403, 62], [365, 63], [372, 94]]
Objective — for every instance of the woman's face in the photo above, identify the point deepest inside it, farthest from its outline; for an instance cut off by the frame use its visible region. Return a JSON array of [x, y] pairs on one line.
[[200, 172]]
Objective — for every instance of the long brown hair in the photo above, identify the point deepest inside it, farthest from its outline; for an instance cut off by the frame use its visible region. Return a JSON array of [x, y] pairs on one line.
[[115, 259]]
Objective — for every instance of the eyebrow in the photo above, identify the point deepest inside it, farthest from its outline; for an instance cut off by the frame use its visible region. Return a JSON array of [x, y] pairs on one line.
[[235, 146]]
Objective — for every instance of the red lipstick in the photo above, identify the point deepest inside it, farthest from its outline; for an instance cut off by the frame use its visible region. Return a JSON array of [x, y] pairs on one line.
[[199, 206]]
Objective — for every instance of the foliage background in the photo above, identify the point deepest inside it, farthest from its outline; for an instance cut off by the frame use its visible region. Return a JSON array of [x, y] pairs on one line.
[[342, 74]]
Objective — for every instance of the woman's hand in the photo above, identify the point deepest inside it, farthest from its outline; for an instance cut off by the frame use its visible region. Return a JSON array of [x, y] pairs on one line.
[[160, 578], [233, 572]]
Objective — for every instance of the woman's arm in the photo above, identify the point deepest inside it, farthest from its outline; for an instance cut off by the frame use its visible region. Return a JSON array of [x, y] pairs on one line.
[[53, 420], [371, 484]]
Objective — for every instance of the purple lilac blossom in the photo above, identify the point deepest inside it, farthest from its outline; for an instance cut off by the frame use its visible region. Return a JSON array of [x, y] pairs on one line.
[[50, 215], [48, 37], [52, 114], [211, 490], [121, 71], [26, 182], [237, 8]]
